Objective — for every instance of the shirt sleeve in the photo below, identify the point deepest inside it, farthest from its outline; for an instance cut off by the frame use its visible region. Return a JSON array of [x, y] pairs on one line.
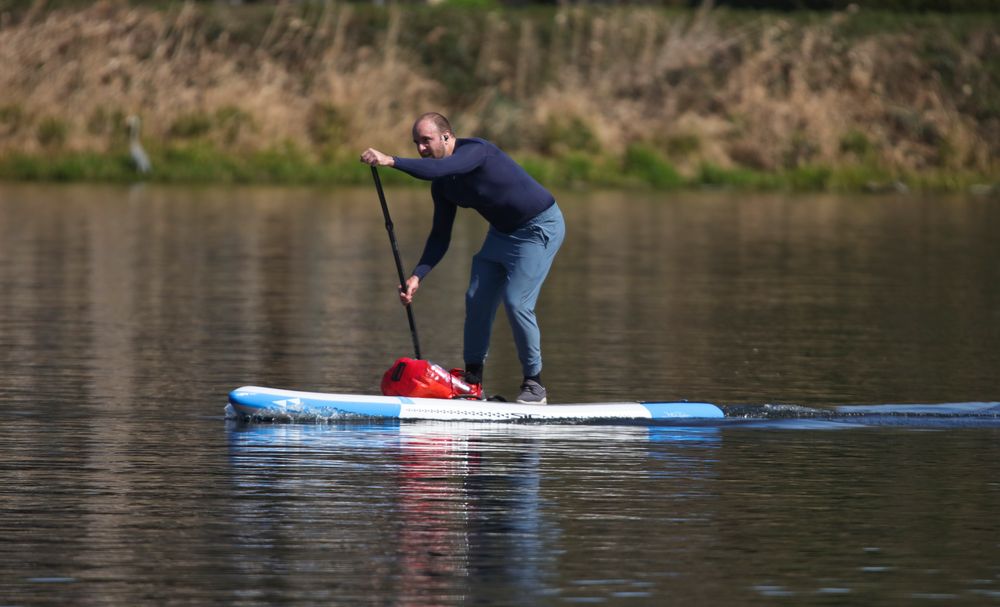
[[439, 238], [466, 158]]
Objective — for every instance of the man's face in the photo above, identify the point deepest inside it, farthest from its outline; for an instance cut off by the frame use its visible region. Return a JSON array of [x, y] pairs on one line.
[[429, 140]]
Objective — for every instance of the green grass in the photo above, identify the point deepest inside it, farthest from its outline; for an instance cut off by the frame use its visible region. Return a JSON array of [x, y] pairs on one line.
[[640, 168], [650, 167]]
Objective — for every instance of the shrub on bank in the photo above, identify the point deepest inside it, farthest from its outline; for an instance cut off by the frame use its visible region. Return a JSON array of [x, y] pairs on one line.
[[592, 95]]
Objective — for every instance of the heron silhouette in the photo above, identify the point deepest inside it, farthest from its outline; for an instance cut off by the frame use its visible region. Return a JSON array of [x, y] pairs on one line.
[[139, 156]]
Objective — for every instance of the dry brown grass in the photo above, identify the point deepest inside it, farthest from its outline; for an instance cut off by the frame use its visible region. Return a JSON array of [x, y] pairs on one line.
[[765, 94], [162, 66]]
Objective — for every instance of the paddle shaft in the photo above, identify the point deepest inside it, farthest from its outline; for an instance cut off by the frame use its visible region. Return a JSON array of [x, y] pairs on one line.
[[395, 255]]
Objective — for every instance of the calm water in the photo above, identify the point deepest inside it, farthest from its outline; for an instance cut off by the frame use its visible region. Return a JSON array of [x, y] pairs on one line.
[[126, 315]]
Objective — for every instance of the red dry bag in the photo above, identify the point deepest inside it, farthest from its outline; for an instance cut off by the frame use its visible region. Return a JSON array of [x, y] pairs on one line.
[[424, 379]]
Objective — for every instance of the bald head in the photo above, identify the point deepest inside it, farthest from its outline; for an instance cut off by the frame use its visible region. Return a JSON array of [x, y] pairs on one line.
[[433, 136], [438, 121]]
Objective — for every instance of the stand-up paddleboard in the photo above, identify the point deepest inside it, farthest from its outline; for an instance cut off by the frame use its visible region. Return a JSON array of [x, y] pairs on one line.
[[272, 403]]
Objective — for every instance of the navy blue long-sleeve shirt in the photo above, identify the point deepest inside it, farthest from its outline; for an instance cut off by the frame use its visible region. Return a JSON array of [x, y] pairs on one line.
[[478, 175]]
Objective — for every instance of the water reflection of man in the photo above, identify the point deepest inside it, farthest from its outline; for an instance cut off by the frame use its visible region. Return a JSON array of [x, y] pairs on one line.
[[470, 521], [526, 230]]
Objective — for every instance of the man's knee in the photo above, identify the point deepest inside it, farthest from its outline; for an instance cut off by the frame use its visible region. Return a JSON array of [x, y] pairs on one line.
[[519, 307]]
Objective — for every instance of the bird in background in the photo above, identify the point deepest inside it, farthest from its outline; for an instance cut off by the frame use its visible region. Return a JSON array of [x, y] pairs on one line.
[[139, 156]]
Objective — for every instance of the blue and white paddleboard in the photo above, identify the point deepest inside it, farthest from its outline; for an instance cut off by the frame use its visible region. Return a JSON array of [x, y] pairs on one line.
[[272, 403]]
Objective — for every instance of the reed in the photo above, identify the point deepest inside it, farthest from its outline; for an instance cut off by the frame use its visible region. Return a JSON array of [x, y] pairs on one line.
[[617, 95]]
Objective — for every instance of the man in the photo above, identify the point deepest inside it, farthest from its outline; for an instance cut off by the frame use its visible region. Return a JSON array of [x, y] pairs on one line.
[[526, 230]]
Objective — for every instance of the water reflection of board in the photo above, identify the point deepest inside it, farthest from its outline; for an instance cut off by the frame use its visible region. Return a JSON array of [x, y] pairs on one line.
[[272, 403]]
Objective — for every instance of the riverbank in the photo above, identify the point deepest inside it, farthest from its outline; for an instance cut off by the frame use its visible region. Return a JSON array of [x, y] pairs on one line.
[[292, 166], [633, 97]]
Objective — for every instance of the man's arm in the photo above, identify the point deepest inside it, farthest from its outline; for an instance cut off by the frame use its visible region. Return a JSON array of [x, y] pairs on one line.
[[466, 158], [439, 238], [434, 249]]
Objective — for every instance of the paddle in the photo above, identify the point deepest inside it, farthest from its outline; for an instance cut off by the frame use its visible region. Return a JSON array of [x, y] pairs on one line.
[[395, 255]]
